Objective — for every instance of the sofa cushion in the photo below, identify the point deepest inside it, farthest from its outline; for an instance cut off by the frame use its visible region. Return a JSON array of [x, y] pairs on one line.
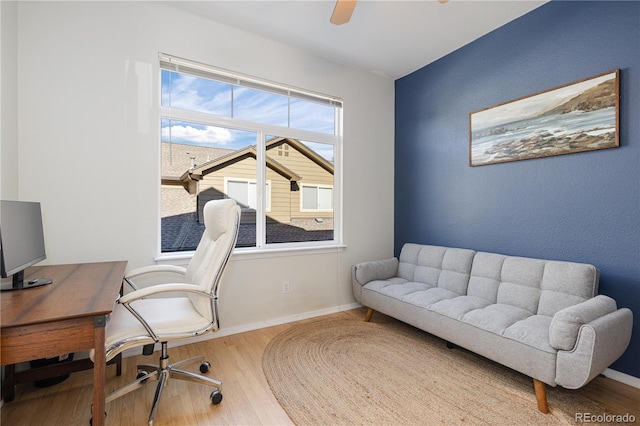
[[533, 331], [484, 288], [521, 279], [495, 318], [437, 266], [456, 268], [396, 287], [409, 260], [554, 301], [429, 297], [456, 308], [427, 274], [520, 296], [564, 327], [486, 275], [523, 271], [565, 284]]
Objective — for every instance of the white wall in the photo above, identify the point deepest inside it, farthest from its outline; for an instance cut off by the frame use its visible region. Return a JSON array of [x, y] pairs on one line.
[[88, 130], [8, 102]]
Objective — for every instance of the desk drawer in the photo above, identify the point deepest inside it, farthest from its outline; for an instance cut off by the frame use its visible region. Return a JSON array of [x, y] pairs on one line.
[[29, 342]]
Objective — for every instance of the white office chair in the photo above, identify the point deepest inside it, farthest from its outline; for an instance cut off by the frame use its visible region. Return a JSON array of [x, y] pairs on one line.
[[138, 319]]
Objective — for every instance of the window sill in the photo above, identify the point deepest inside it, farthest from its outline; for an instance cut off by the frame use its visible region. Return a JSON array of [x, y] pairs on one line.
[[183, 258]]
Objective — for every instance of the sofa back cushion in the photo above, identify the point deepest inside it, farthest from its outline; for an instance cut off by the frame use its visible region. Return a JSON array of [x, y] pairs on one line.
[[507, 280], [443, 267], [541, 287], [566, 284], [521, 280], [486, 275]]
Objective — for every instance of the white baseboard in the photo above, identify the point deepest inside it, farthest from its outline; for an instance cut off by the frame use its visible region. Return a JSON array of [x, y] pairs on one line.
[[622, 378]]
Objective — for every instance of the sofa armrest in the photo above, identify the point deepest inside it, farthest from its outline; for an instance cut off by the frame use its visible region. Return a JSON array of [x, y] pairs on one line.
[[563, 331], [599, 344], [375, 270]]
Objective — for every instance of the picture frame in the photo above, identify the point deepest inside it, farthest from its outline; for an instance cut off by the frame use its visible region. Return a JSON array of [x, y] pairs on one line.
[[576, 117]]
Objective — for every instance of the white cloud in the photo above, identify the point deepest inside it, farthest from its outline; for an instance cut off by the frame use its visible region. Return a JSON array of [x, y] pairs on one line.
[[197, 94], [200, 135]]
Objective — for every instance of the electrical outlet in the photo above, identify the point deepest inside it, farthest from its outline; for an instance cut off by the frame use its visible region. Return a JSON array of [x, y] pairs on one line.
[[286, 287]]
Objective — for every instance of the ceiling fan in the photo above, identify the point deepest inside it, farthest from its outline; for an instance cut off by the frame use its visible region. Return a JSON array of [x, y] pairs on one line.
[[344, 9]]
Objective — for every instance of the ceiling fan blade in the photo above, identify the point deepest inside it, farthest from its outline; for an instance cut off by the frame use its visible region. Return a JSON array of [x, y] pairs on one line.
[[342, 12]]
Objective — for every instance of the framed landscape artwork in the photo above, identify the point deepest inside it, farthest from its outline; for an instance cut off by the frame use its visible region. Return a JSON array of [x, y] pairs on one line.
[[580, 116]]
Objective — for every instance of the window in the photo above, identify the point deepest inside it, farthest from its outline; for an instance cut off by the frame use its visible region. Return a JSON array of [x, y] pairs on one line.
[[317, 198], [245, 193], [274, 149]]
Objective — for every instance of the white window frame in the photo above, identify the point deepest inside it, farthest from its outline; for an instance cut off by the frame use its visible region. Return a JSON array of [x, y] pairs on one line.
[[262, 130]]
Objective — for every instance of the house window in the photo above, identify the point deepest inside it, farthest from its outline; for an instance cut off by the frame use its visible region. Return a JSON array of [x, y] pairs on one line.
[[272, 148], [317, 198], [245, 192]]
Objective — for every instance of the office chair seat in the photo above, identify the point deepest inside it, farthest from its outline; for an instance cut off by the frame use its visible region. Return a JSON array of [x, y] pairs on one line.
[[173, 319], [181, 306]]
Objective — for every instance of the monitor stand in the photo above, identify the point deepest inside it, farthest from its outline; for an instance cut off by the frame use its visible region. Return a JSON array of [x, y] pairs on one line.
[[19, 283]]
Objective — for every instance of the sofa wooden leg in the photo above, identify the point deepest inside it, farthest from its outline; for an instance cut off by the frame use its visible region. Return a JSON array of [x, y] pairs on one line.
[[367, 317], [541, 395]]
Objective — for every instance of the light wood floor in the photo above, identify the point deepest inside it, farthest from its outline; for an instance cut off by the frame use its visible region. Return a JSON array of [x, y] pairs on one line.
[[236, 361]]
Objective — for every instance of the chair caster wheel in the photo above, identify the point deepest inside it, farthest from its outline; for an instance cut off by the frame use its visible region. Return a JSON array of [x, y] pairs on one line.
[[140, 375], [205, 367], [216, 397]]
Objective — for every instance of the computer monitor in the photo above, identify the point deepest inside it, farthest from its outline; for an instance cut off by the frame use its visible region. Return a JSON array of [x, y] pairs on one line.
[[21, 243]]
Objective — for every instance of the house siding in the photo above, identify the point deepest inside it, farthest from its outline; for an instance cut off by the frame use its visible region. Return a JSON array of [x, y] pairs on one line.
[[285, 203]]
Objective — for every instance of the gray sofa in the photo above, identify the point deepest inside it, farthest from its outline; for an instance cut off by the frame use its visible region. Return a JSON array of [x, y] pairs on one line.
[[543, 318]]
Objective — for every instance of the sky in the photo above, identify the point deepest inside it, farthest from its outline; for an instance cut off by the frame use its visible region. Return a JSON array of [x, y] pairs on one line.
[[199, 94]]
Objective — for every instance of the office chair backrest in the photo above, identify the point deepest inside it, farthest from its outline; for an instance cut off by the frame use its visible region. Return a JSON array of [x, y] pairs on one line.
[[221, 221]]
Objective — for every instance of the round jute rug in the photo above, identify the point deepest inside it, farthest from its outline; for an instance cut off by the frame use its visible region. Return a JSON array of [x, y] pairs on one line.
[[350, 372]]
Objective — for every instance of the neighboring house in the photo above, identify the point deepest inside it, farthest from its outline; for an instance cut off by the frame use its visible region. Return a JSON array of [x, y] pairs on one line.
[[178, 192], [299, 185]]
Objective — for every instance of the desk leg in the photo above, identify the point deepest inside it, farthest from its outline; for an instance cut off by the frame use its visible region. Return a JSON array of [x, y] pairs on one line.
[[99, 367], [9, 384]]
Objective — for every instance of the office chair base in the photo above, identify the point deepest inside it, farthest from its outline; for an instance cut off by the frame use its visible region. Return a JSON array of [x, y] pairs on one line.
[[165, 371]]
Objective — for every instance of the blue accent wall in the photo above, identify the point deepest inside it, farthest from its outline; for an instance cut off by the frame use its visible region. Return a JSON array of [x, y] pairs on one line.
[[582, 207]]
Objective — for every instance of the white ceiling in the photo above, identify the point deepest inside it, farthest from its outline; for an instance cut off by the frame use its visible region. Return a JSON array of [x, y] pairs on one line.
[[392, 38]]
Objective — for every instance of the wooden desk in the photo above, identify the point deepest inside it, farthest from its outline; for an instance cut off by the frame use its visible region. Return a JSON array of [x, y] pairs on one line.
[[66, 316]]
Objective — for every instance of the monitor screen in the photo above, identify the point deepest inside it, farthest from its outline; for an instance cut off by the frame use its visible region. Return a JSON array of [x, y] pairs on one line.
[[21, 238]]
